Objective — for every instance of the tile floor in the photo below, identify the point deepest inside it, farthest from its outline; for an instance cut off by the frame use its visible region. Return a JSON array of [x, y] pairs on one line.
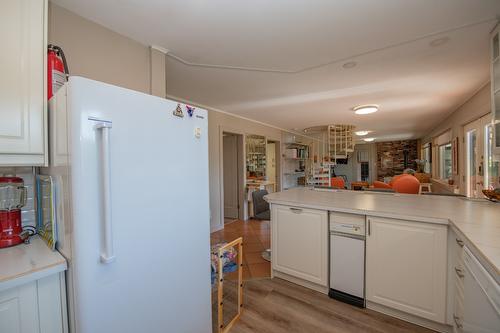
[[256, 238], [229, 220]]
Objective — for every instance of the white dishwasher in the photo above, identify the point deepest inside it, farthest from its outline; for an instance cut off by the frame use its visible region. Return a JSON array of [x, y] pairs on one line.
[[347, 258]]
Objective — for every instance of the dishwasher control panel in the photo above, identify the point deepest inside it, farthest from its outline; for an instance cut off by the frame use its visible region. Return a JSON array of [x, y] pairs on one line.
[[347, 223]]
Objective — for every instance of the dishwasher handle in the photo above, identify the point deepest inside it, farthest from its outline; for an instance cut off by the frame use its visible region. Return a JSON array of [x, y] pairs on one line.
[[343, 234]]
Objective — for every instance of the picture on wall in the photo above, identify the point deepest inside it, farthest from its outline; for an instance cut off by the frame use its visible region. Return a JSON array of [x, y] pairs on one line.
[[386, 161]]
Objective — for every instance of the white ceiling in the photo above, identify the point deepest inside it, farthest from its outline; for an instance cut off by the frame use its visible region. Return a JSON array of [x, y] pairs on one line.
[[288, 56]]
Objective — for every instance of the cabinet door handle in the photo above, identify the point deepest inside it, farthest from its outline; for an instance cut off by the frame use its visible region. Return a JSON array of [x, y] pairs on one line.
[[459, 272], [457, 321], [296, 210], [459, 242], [369, 227]]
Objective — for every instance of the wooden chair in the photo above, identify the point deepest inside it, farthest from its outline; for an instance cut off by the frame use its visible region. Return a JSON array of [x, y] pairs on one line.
[[221, 327]]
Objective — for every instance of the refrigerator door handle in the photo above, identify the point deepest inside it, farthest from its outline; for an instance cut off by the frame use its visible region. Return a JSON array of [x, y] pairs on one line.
[[107, 256]]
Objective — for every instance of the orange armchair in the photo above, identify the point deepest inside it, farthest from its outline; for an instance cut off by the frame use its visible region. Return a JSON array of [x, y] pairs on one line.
[[407, 184], [337, 182], [379, 184], [396, 177]]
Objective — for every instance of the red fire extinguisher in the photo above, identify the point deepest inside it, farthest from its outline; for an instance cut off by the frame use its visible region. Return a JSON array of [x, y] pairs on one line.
[[57, 69]]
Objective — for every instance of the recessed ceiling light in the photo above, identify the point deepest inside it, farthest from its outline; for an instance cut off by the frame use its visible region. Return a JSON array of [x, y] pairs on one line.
[[365, 109], [439, 41], [369, 139], [349, 64], [361, 133]]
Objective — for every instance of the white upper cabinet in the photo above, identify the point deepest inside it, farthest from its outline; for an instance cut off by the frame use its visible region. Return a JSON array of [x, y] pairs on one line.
[[406, 266], [23, 106]]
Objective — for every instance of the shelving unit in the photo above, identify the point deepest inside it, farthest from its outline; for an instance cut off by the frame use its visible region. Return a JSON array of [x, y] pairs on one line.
[[320, 177], [256, 155], [296, 160]]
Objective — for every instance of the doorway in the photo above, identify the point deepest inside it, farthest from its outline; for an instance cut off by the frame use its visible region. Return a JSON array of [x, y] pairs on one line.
[[477, 146], [232, 155], [273, 164]]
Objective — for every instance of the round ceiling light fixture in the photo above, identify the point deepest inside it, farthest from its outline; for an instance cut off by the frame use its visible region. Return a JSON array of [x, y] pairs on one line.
[[350, 64], [439, 41], [365, 109], [369, 139], [361, 133]]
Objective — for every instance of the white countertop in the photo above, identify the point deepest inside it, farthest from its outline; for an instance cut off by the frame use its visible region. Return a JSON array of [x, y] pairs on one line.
[[28, 262], [477, 221]]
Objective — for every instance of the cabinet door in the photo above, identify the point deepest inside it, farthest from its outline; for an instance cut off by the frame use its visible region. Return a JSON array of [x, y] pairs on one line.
[[19, 310], [300, 243], [406, 266], [22, 83]]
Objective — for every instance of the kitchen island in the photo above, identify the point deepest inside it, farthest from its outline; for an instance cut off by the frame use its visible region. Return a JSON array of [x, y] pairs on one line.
[[414, 245]]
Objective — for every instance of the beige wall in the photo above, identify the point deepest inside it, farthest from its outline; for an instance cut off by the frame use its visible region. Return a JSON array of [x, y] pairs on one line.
[[476, 107], [98, 53]]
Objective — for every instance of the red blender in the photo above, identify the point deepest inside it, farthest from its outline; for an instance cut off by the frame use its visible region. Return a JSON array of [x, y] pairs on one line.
[[12, 199]]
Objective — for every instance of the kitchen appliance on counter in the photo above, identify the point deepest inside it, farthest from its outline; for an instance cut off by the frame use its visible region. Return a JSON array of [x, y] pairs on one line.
[[12, 199], [139, 256], [347, 258]]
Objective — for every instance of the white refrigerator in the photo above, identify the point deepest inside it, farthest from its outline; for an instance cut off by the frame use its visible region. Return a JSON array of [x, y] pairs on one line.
[[132, 207]]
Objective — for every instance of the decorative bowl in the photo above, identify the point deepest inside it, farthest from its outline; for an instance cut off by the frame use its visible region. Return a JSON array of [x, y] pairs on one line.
[[492, 195]]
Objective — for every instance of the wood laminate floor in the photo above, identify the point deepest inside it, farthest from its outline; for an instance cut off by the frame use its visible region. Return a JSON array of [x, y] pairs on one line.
[[277, 306]]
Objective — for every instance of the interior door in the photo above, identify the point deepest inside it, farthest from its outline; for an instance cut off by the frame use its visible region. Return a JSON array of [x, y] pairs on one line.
[[492, 163], [271, 162], [472, 161], [230, 171], [476, 155]]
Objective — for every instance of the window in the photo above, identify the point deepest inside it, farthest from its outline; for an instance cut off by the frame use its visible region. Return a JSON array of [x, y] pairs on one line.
[[365, 171], [491, 171], [426, 158], [445, 161]]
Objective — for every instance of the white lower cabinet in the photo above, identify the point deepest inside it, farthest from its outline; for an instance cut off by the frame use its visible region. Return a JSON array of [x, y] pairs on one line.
[[406, 266], [300, 243], [35, 307]]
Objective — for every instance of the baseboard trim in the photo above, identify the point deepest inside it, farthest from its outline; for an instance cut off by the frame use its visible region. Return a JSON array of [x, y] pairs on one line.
[[409, 318], [300, 282], [347, 298]]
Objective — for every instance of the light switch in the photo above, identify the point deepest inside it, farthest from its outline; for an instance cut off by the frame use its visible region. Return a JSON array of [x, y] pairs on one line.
[[197, 132]]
